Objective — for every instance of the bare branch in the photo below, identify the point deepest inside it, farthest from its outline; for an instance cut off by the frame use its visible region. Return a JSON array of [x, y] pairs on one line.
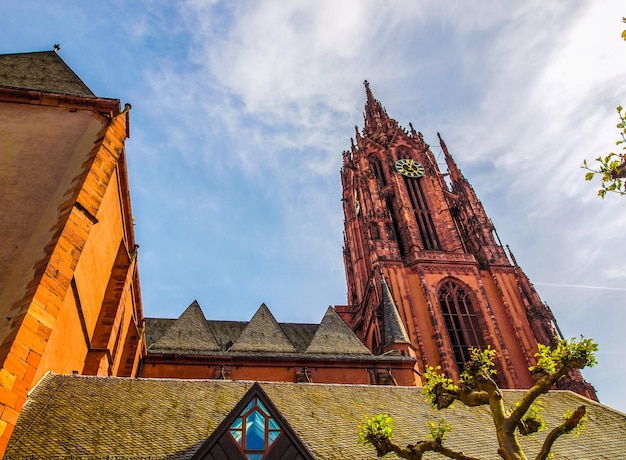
[[565, 427], [416, 452]]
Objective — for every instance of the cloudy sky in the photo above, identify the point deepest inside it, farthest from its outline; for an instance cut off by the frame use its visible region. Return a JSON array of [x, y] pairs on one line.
[[241, 110]]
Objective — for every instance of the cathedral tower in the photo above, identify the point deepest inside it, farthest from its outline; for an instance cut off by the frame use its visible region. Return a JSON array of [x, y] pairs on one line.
[[420, 247]]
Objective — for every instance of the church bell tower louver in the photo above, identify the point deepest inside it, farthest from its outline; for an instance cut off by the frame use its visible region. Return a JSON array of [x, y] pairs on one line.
[[421, 236]]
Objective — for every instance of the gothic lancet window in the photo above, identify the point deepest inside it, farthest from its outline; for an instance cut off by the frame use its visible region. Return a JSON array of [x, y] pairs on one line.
[[396, 227], [255, 430], [461, 320], [428, 235], [378, 172]]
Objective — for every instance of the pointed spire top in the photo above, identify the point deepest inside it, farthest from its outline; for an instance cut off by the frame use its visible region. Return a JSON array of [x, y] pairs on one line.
[[375, 116], [455, 172], [368, 92], [393, 329]]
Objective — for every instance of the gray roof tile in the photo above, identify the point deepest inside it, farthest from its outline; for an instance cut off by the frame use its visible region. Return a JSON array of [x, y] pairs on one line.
[[335, 337], [263, 334], [98, 417], [41, 71], [189, 334]]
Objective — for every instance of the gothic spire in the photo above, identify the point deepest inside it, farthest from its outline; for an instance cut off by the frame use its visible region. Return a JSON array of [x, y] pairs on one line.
[[455, 172], [375, 116], [393, 329]]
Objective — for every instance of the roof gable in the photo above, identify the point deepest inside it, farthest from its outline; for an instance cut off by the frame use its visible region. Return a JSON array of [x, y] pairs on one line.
[[41, 71], [263, 334], [190, 333], [333, 336], [230, 437]]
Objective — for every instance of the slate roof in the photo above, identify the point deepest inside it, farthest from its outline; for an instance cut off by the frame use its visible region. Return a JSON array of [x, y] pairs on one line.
[[163, 418], [192, 334], [189, 334], [41, 71], [334, 336], [263, 334]]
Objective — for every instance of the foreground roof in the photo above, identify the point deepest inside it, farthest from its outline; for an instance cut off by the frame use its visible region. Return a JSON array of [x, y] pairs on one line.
[[97, 417], [41, 71]]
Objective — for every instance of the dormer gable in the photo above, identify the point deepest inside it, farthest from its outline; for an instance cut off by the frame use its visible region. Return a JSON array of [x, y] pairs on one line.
[[254, 429]]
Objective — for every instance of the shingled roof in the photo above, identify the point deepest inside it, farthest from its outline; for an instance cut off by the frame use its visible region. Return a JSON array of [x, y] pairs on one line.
[[263, 334], [189, 334], [162, 418], [41, 71], [192, 334], [334, 336]]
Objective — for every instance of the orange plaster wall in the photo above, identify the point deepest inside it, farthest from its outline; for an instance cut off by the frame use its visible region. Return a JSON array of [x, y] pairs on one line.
[[66, 349], [45, 332], [47, 146], [94, 267], [120, 337], [91, 275]]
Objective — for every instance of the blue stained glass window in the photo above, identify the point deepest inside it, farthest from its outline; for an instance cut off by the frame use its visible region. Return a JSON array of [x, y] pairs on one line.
[[255, 430], [262, 407], [271, 436], [237, 423], [237, 435]]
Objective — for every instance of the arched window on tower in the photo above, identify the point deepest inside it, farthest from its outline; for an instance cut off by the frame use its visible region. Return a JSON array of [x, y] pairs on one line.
[[425, 224], [461, 320], [378, 172]]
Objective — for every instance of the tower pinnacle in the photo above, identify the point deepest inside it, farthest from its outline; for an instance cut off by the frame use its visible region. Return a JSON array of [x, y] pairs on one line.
[[375, 116]]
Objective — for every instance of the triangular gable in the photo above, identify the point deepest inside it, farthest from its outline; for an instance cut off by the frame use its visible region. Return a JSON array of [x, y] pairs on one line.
[[41, 71], [333, 336], [254, 429], [263, 334], [190, 333]]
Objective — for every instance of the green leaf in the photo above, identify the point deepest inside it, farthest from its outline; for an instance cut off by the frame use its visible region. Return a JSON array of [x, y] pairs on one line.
[[589, 176]]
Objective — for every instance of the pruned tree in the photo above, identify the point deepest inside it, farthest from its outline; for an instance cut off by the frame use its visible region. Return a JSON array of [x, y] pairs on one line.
[[612, 167], [477, 387]]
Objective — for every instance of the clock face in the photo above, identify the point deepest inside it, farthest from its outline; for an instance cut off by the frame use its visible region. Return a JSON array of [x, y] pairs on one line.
[[410, 168]]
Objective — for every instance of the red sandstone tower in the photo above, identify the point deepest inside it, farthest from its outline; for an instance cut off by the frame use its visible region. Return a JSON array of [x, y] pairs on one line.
[[419, 240]]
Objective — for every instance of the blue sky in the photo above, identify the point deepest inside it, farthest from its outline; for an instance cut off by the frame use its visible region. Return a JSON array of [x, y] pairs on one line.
[[241, 110]]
